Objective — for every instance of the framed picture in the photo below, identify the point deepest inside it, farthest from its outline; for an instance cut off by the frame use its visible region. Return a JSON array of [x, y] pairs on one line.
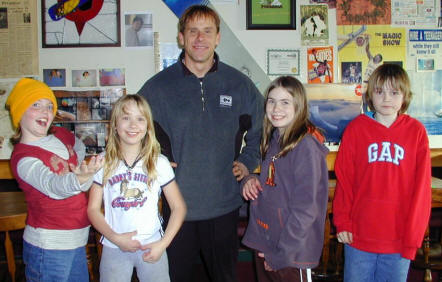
[[271, 14], [81, 23], [138, 30], [282, 62]]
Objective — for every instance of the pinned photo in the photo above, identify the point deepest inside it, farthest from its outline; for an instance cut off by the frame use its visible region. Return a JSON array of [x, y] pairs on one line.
[[54, 77], [138, 30], [425, 64], [84, 78]]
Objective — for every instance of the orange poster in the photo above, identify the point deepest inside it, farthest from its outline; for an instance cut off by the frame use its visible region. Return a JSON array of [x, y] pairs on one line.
[[320, 64]]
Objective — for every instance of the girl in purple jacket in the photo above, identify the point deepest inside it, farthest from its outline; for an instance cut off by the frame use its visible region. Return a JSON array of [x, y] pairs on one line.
[[289, 198]]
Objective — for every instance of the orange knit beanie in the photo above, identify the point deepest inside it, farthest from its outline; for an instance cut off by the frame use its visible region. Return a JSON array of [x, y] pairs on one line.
[[25, 93]]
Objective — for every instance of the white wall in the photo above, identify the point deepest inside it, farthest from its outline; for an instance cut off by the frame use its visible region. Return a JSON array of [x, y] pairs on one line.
[[139, 62]]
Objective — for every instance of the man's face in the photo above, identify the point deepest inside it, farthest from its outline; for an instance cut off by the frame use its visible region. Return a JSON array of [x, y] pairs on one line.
[[137, 25], [199, 40]]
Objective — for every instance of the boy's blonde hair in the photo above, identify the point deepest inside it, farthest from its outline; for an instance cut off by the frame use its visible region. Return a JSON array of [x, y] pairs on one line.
[[150, 148], [301, 124], [394, 74]]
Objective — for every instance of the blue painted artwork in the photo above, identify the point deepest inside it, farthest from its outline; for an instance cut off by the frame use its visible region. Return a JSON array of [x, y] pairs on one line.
[[332, 107], [332, 116], [426, 104], [179, 6]]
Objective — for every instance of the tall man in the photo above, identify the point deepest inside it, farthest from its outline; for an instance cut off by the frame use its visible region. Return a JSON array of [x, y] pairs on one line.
[[202, 108]]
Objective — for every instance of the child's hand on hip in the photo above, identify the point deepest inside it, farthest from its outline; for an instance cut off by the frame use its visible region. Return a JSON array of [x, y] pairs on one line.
[[125, 242], [153, 252]]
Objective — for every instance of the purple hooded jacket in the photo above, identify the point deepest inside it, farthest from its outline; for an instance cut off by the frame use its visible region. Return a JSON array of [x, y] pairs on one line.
[[287, 220]]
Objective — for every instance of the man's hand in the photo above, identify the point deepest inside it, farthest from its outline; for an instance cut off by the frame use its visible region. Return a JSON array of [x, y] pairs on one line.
[[239, 170]]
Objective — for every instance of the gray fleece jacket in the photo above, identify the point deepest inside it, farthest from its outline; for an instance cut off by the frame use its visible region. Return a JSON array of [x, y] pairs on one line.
[[200, 124]]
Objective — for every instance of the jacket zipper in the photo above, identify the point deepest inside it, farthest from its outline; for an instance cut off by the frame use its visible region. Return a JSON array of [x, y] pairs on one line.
[[203, 101]]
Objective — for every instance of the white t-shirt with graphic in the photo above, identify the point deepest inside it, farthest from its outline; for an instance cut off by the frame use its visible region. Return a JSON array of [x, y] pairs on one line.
[[130, 204]]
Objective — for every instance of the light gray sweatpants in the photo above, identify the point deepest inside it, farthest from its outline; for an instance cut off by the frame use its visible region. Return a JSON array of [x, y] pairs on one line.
[[117, 266]]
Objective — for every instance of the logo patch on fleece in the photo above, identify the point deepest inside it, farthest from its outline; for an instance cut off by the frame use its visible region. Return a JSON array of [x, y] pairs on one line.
[[225, 101]]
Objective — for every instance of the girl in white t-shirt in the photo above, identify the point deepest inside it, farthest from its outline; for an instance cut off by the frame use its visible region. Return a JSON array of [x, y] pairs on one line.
[[130, 185]]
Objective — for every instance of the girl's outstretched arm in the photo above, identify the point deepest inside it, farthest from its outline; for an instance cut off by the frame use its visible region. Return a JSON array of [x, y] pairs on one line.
[[178, 212], [124, 241]]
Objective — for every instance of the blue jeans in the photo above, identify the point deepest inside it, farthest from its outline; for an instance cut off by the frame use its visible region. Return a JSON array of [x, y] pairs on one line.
[[55, 265], [363, 266]]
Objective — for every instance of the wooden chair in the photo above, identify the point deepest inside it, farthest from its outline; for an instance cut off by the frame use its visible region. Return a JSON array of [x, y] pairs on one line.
[[330, 267], [429, 256], [12, 217]]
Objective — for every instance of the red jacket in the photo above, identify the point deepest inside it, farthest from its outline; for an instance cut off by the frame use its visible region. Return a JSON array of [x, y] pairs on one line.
[[383, 192], [44, 212]]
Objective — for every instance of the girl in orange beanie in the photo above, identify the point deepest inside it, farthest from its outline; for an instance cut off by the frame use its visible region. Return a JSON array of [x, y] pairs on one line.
[[48, 165]]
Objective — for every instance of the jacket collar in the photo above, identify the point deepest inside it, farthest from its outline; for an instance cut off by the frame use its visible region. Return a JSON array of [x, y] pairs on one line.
[[186, 71]]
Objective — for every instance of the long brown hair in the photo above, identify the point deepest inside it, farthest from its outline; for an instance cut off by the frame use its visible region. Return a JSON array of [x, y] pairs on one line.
[[150, 148], [301, 124]]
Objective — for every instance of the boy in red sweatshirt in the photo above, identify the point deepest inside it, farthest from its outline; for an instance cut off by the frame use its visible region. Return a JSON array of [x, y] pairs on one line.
[[383, 196]]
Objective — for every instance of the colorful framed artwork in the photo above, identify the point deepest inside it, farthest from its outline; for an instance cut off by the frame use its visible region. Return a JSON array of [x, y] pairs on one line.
[[81, 23], [271, 14]]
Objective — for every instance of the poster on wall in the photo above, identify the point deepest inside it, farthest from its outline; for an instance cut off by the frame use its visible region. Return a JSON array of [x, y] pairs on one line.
[[330, 3], [424, 49], [81, 23], [426, 105], [359, 12], [18, 38], [370, 46], [414, 13], [320, 64], [6, 129], [332, 107], [314, 25]]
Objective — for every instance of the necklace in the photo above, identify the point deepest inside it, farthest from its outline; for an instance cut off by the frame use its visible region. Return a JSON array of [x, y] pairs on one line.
[[130, 167], [271, 172]]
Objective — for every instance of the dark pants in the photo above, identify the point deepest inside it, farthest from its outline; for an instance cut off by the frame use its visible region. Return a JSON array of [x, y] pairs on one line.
[[215, 239], [286, 274]]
